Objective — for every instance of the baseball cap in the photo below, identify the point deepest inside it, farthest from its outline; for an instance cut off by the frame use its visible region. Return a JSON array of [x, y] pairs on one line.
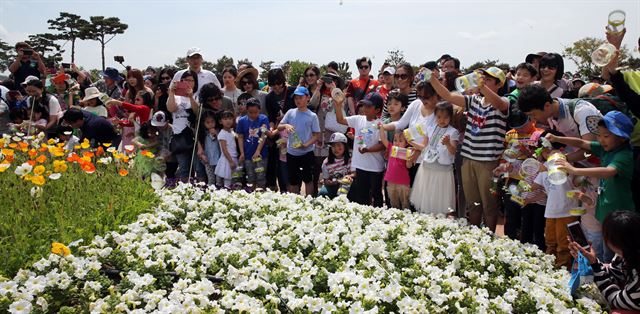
[[159, 119], [29, 79], [337, 138], [618, 123], [530, 57], [372, 99], [593, 90], [496, 73], [389, 70], [194, 51], [301, 91]]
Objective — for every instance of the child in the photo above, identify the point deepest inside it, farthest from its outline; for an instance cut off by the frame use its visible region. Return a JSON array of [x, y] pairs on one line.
[[283, 173], [397, 175], [434, 189], [147, 142], [304, 130], [336, 166], [252, 131], [614, 192], [242, 104], [208, 146], [39, 118], [368, 155], [557, 211], [227, 140], [92, 102], [65, 134]]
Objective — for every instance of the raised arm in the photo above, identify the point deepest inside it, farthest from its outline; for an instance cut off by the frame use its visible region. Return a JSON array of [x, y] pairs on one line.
[[340, 113], [444, 93]]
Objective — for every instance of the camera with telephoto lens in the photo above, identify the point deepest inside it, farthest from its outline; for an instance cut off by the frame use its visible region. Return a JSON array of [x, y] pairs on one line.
[[119, 59]]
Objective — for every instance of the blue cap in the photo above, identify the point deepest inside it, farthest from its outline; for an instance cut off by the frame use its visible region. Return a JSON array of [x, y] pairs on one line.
[[301, 91], [373, 99], [618, 123]]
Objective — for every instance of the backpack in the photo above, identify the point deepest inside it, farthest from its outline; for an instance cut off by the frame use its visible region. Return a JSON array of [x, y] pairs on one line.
[[604, 103]]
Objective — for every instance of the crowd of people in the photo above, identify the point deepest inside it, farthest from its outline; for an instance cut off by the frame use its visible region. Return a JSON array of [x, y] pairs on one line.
[[526, 145]]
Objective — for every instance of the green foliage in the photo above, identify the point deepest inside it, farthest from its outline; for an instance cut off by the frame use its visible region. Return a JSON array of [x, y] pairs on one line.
[[221, 63], [295, 70], [244, 61], [100, 28], [266, 66], [76, 206], [69, 25], [395, 57], [580, 53], [486, 64], [45, 44], [7, 55], [181, 63]]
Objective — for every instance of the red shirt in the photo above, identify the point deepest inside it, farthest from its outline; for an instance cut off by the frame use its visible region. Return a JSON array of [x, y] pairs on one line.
[[357, 88]]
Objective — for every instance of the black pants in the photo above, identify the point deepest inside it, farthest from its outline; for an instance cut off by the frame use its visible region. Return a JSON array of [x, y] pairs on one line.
[[366, 186], [513, 218], [272, 165], [533, 223]]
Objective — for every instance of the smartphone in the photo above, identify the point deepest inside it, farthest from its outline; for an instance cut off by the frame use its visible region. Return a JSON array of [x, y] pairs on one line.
[[66, 65], [181, 88], [577, 235], [27, 52], [118, 59]]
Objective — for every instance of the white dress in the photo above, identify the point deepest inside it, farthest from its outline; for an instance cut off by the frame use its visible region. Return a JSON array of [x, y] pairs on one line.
[[433, 190], [223, 168]]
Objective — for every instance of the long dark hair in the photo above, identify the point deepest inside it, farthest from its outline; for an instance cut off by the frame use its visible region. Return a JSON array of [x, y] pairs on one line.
[[620, 229], [133, 90], [188, 73], [202, 131], [345, 157]]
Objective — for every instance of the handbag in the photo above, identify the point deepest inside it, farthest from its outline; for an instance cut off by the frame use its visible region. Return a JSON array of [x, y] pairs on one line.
[[583, 274], [331, 122], [182, 142]]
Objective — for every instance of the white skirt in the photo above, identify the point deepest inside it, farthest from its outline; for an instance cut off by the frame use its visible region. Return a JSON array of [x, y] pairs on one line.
[[433, 190], [223, 168]]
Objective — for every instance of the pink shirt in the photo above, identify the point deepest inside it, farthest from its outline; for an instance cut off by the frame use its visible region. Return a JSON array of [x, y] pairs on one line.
[[397, 172]]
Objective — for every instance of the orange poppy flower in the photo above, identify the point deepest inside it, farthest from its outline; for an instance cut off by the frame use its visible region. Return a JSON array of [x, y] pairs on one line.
[[8, 158], [7, 152], [123, 172], [13, 145], [88, 154], [73, 158], [31, 162], [41, 159], [23, 145], [32, 153], [99, 151], [88, 167]]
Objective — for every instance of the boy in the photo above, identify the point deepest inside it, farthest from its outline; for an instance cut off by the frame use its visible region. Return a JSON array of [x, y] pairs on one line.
[[483, 142], [303, 127], [368, 158], [525, 75], [252, 130], [612, 146]]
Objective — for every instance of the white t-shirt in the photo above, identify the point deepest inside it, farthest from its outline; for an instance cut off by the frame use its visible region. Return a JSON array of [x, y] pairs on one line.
[[575, 126], [435, 135], [414, 116], [181, 116], [230, 138], [558, 204], [373, 162], [204, 77], [54, 105]]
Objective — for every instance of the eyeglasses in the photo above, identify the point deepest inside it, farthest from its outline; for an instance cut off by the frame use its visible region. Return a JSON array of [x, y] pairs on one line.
[[548, 66], [189, 80], [276, 83], [310, 75], [247, 83], [401, 76], [165, 78], [210, 99], [363, 67]]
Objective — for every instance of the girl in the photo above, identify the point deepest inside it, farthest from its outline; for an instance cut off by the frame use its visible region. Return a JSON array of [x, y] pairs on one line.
[[230, 90], [208, 146], [619, 281], [336, 166], [139, 113], [92, 102], [551, 70], [148, 159], [433, 190], [227, 140], [136, 85], [397, 174]]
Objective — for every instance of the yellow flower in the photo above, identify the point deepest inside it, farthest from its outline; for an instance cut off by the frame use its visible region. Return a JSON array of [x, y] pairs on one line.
[[51, 141], [4, 167], [7, 151], [85, 144], [59, 166], [148, 154], [37, 180], [60, 249], [39, 170], [106, 144]]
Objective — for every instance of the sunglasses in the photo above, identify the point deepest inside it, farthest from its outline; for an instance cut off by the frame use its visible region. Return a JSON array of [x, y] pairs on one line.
[[165, 78], [363, 67], [310, 75], [210, 99], [276, 83], [548, 66], [401, 76], [247, 83]]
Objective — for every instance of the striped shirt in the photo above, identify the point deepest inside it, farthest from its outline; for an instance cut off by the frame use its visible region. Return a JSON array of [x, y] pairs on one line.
[[619, 288], [485, 132]]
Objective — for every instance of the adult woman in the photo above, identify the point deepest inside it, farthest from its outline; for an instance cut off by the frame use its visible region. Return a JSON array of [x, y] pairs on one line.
[[247, 82], [162, 91], [213, 99], [403, 76], [420, 111], [619, 282], [182, 107], [311, 76], [136, 84], [229, 75], [551, 70], [38, 96], [65, 92]]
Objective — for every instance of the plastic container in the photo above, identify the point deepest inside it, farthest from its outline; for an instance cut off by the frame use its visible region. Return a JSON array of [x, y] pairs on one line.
[[577, 211], [401, 153], [337, 95], [554, 173], [616, 21], [345, 185], [465, 82], [415, 133], [529, 167], [423, 75], [295, 140], [603, 54]]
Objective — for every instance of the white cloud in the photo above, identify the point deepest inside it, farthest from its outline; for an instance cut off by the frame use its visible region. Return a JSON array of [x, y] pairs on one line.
[[11, 37]]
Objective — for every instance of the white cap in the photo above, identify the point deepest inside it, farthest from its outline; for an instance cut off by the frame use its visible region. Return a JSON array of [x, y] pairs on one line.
[[337, 138], [194, 51], [29, 79], [159, 119], [389, 70]]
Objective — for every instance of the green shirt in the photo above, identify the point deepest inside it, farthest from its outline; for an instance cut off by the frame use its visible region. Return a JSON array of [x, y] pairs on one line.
[[615, 193], [513, 96]]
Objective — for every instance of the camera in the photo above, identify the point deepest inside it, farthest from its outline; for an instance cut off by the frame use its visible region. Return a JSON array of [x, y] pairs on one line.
[[327, 79], [27, 52], [119, 59], [66, 65]]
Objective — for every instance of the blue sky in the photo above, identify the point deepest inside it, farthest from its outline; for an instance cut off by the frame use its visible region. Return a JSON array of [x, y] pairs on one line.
[[323, 30]]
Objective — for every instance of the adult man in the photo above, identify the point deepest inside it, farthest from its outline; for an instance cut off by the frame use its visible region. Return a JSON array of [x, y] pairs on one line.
[[194, 59], [109, 83], [96, 129], [27, 63], [358, 88]]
